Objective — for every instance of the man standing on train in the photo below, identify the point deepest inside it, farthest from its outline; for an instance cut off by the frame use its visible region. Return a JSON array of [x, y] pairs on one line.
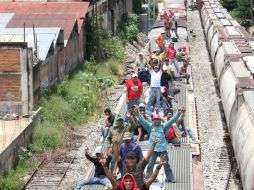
[[155, 84], [134, 91], [156, 129]]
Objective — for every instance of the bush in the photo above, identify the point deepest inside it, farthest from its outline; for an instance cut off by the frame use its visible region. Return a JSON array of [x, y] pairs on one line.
[[110, 46], [45, 137], [24, 162], [115, 67], [130, 28], [10, 182]]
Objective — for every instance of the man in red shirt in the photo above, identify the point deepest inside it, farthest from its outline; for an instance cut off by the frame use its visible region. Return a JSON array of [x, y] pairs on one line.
[[134, 91], [172, 55]]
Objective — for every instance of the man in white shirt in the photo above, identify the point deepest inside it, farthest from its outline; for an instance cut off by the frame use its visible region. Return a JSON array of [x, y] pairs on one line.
[[155, 90]]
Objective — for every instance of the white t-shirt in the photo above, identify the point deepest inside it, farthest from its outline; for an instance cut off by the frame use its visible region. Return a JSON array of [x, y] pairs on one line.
[[155, 78]]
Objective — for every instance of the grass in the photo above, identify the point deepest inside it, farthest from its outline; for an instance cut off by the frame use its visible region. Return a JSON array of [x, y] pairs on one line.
[[73, 101], [24, 164]]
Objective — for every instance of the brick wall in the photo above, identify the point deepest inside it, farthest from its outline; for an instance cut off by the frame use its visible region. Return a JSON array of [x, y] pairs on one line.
[[9, 60], [10, 87]]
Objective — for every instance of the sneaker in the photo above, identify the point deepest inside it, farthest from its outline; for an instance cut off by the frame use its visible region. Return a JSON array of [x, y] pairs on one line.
[[196, 141]]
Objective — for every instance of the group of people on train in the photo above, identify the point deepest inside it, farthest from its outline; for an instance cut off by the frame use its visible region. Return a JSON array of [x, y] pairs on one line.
[[154, 117]]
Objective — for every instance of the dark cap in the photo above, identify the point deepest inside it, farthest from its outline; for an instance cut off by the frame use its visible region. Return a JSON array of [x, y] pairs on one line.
[[131, 154]]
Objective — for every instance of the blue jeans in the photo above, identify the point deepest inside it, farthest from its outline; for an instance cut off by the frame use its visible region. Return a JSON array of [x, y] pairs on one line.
[[95, 180], [155, 92], [112, 163], [104, 132], [167, 169], [133, 102], [173, 61], [191, 134]]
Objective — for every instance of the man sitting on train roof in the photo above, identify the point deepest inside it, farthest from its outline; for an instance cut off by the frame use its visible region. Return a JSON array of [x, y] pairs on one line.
[[128, 181], [120, 127], [109, 121], [178, 130], [183, 71], [156, 129], [131, 164], [99, 175], [140, 63], [140, 134], [129, 145]]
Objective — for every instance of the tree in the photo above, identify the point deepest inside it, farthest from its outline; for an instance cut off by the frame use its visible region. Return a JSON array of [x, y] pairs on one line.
[[229, 4], [242, 12], [137, 7]]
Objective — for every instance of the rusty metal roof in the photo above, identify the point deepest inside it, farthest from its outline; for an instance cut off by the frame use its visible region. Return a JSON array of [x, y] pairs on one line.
[[50, 10], [65, 21]]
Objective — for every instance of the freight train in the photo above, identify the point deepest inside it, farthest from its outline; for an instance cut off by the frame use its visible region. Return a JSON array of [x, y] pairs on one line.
[[232, 53]]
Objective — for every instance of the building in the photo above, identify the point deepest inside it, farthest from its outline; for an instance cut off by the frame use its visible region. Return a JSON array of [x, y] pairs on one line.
[[54, 34], [16, 87]]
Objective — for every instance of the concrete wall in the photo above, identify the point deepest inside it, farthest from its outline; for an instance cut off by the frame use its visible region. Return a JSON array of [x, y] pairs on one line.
[[15, 90], [9, 154]]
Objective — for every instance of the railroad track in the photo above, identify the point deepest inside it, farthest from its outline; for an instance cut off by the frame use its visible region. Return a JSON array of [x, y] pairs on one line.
[[49, 174]]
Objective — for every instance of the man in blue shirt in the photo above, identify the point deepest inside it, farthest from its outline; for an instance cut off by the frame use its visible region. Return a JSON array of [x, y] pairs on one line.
[[156, 129]]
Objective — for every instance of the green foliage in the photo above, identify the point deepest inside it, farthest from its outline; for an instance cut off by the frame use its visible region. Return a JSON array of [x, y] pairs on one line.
[[115, 66], [240, 10], [137, 7], [130, 28], [45, 137], [110, 46], [242, 13], [71, 102], [102, 44], [10, 183], [229, 4], [12, 180]]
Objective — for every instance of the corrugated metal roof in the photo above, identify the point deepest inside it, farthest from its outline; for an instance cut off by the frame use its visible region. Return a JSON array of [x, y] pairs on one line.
[[65, 21], [79, 9], [249, 60], [46, 38], [239, 69], [181, 163], [5, 18]]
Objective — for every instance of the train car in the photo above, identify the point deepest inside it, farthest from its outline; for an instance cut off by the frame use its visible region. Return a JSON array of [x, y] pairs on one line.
[[179, 9], [231, 49]]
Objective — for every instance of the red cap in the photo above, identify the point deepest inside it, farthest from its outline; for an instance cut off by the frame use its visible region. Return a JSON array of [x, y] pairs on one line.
[[157, 116], [184, 47]]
